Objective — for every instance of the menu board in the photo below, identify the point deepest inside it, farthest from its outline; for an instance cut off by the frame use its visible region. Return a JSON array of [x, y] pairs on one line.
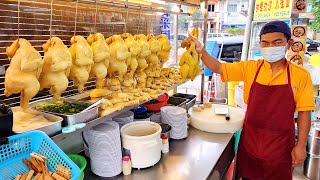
[[297, 50], [272, 9]]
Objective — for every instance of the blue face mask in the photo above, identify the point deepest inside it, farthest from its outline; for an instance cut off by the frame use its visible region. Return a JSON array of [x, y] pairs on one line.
[[273, 54]]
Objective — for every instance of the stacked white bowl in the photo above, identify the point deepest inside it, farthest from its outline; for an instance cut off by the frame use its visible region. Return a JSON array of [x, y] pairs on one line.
[[176, 117], [124, 118], [105, 149]]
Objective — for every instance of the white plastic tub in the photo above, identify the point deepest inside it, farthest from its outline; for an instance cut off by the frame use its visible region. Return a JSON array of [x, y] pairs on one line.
[[142, 139]]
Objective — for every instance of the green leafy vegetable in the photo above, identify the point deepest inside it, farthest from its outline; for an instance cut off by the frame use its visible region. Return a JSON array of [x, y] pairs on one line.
[[65, 108]]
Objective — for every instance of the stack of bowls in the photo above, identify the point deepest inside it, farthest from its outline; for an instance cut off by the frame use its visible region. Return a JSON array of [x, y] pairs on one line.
[[105, 149], [124, 118], [176, 117]]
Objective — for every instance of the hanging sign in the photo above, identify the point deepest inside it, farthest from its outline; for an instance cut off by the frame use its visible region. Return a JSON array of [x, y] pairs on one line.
[[298, 48], [165, 25], [272, 9]]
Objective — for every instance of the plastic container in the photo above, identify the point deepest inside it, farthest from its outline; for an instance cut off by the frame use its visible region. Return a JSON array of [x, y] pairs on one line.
[[22, 145], [81, 162], [126, 165], [163, 100], [192, 99], [177, 101], [142, 139]]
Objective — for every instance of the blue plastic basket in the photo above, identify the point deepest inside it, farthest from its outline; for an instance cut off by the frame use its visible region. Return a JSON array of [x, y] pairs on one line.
[[20, 146]]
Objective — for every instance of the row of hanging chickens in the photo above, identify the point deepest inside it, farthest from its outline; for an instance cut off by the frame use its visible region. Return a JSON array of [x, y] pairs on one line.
[[118, 61]]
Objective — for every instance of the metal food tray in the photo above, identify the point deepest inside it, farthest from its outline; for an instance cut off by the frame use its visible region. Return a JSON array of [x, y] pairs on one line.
[[177, 101], [218, 100], [50, 130], [69, 120], [190, 97]]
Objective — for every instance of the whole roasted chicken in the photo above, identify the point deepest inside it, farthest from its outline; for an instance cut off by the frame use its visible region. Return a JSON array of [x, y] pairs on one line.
[[119, 55], [152, 59], [101, 58], [134, 49], [24, 71], [82, 61], [145, 51], [164, 52], [56, 67]]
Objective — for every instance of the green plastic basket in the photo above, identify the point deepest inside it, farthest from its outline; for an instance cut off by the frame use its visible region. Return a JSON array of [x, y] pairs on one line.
[[81, 162]]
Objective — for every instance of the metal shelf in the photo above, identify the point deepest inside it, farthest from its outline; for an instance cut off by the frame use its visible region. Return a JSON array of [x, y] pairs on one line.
[[100, 120]]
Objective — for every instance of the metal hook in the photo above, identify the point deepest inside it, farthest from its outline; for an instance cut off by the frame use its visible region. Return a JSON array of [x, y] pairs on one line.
[[75, 19], [18, 20], [95, 20], [51, 12]]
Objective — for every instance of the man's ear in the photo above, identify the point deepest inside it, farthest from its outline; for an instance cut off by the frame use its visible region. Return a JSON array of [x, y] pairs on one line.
[[291, 41]]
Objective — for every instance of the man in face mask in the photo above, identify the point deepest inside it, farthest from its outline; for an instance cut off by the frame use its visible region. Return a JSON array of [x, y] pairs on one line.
[[274, 88]]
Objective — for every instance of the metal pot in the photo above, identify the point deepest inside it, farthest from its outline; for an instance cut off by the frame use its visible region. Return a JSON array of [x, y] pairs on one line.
[[165, 129], [311, 167], [6, 120], [313, 145]]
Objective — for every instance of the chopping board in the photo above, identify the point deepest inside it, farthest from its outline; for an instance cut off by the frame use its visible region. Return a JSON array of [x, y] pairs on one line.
[[207, 120]]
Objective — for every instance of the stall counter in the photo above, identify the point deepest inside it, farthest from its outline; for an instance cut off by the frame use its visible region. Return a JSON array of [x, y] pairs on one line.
[[200, 156]]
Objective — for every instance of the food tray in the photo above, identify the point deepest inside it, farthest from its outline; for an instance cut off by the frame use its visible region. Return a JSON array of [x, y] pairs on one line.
[[50, 130], [177, 101], [22, 145], [190, 97], [218, 100], [69, 120]]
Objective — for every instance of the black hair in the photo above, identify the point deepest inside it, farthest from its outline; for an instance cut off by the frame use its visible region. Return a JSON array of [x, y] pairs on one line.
[[287, 37]]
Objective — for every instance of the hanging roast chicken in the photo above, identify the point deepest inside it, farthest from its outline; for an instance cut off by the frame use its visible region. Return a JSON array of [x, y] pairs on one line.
[[56, 68], [101, 58], [82, 61], [23, 73]]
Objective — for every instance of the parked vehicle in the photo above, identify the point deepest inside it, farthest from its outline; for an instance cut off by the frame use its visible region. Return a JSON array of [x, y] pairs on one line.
[[312, 45], [225, 38]]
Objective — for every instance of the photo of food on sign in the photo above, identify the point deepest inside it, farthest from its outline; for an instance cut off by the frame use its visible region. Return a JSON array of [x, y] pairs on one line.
[[299, 31], [297, 46], [301, 4], [296, 59]]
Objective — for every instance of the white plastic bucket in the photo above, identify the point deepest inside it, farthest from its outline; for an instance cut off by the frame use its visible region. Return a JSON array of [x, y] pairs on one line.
[[142, 139]]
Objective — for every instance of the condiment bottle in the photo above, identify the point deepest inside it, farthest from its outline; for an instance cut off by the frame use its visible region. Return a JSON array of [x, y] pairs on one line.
[[126, 165], [165, 144]]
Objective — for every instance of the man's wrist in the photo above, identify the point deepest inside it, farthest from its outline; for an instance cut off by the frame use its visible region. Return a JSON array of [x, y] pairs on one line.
[[301, 144]]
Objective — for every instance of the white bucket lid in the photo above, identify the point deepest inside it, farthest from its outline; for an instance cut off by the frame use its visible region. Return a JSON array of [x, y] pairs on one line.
[[140, 130], [173, 110]]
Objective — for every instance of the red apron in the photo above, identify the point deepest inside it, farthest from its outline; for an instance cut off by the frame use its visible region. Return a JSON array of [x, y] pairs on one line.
[[267, 138]]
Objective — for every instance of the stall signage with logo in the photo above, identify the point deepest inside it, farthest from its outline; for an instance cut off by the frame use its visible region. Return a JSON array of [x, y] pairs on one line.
[[165, 24], [272, 9]]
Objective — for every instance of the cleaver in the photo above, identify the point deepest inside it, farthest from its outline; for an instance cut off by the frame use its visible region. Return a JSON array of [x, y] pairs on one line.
[[222, 111]]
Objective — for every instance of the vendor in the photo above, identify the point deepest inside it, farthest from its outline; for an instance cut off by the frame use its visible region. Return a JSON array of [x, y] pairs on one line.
[[274, 88]]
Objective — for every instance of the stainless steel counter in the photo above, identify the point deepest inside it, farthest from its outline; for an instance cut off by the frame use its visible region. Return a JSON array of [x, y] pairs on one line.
[[200, 156]]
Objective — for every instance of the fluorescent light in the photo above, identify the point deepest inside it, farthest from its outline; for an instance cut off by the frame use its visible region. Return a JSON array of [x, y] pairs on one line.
[[157, 1]]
